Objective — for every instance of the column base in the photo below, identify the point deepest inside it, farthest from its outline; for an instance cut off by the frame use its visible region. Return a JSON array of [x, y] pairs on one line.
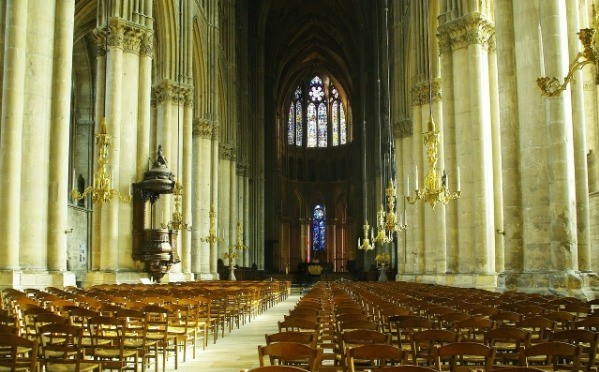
[[215, 276], [481, 281], [21, 279], [204, 276], [583, 285], [131, 277]]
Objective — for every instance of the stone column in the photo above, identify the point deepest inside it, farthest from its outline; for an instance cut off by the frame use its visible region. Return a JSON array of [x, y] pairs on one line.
[[507, 88], [580, 146], [233, 202], [59, 135], [558, 128], [248, 254], [12, 132], [200, 251], [224, 198], [35, 186], [114, 87], [144, 152], [305, 238], [214, 193], [186, 165]]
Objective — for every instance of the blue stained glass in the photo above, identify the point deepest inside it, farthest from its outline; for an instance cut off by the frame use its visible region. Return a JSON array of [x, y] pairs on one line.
[[322, 125], [291, 125], [319, 229], [311, 127]]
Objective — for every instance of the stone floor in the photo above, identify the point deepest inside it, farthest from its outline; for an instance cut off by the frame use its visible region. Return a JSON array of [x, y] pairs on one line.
[[238, 349]]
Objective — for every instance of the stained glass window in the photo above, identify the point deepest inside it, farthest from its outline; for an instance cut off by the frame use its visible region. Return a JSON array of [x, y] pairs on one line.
[[311, 128], [322, 125], [299, 127], [299, 122], [291, 125], [319, 229], [324, 114], [335, 123], [342, 125]]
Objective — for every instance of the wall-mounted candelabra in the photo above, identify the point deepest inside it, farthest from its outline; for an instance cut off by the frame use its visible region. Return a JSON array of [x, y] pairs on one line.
[[212, 237], [234, 250], [552, 87], [436, 187], [177, 222], [101, 191]]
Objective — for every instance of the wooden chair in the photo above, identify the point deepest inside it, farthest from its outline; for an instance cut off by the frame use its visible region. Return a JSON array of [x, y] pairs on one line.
[[365, 357], [424, 343], [587, 340], [290, 353], [540, 328], [407, 326], [473, 328], [562, 319], [18, 353], [194, 321], [108, 340], [179, 328], [62, 349], [552, 355], [507, 342], [464, 356], [136, 330], [506, 318], [157, 332]]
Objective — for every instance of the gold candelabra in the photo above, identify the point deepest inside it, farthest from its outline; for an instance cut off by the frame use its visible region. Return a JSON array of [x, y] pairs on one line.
[[365, 244], [436, 188], [234, 254], [552, 87], [382, 259], [101, 190], [212, 236], [177, 222]]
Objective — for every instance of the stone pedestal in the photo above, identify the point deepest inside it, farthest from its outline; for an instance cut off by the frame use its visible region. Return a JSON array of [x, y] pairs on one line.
[[36, 279]]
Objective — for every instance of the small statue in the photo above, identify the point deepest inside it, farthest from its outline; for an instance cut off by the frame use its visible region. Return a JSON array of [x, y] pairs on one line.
[[160, 159]]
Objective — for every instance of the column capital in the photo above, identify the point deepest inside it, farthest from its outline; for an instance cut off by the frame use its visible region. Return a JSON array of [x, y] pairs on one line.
[[170, 91], [146, 47], [202, 128], [473, 28], [420, 92], [403, 128], [227, 152]]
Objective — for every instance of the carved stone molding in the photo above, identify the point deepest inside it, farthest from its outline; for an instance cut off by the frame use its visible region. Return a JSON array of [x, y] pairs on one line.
[[146, 47], [242, 169], [169, 91], [227, 152], [132, 39], [403, 128], [420, 92], [202, 128], [473, 28]]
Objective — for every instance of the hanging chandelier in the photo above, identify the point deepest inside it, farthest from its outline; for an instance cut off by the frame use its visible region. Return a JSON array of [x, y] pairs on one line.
[[436, 189]]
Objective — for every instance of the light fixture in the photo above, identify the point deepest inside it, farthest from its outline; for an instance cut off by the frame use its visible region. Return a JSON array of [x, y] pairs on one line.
[[177, 222], [234, 250], [212, 237], [436, 188], [552, 87], [101, 190]]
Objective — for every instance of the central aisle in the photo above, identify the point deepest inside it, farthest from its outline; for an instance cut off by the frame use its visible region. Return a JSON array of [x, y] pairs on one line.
[[238, 349]]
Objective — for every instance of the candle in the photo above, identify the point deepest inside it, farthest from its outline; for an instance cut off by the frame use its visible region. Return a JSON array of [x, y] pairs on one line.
[[359, 242], [541, 56], [458, 179], [74, 179], [406, 190], [416, 178]]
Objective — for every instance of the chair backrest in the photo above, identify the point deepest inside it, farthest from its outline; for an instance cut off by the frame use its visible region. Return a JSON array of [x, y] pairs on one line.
[[281, 352], [540, 328], [18, 353], [557, 355], [587, 340], [61, 345], [407, 368], [305, 338], [425, 342], [372, 356], [275, 369], [464, 355]]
